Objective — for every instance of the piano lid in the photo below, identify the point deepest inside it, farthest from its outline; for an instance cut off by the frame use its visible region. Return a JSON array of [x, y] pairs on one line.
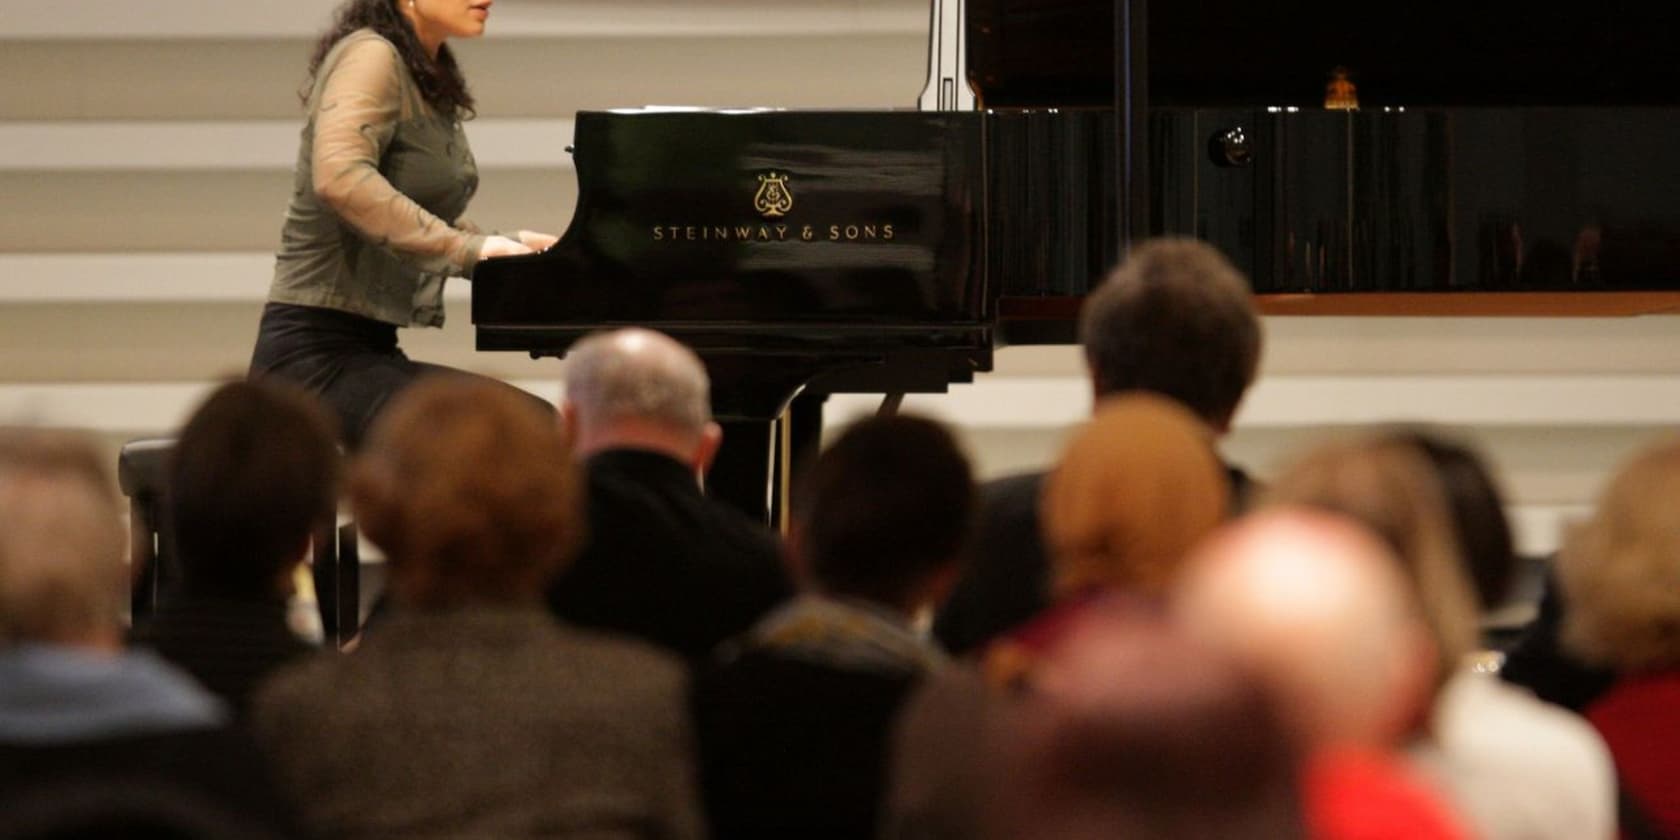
[[757, 229], [1044, 53], [1501, 146]]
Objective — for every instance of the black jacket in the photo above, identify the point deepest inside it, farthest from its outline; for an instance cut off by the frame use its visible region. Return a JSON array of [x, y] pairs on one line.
[[665, 564], [228, 645], [790, 748]]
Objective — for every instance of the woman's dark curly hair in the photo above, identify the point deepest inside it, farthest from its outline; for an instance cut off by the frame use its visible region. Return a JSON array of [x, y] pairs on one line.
[[440, 80]]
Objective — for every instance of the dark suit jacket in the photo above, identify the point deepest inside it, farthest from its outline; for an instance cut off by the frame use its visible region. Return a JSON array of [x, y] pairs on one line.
[[227, 645], [1007, 580], [792, 748], [112, 786], [664, 563]]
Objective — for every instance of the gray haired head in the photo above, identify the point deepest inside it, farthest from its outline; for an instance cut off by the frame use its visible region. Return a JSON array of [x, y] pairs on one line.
[[638, 375], [62, 576]]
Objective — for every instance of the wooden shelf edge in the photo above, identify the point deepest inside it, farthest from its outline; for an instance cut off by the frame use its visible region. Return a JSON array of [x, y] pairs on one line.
[[1475, 304], [1406, 305]]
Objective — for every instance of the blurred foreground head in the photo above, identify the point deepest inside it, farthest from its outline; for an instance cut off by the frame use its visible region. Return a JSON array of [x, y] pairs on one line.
[[62, 575], [1477, 508], [470, 490], [1134, 489], [1388, 487], [1620, 569], [1130, 729], [1317, 605]]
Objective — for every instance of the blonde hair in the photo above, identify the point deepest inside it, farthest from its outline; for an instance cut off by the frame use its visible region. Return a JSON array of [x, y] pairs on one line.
[[62, 576], [1389, 488], [471, 491], [1620, 570], [1134, 489]]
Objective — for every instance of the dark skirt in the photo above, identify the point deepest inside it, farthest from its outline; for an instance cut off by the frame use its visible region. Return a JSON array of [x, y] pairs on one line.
[[352, 362]]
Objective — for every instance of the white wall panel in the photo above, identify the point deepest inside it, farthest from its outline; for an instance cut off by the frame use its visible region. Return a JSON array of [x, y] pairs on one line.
[[548, 77], [241, 145], [145, 155], [256, 19], [220, 209]]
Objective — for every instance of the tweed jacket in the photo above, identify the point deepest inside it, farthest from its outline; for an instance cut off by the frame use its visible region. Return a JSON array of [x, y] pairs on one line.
[[484, 722]]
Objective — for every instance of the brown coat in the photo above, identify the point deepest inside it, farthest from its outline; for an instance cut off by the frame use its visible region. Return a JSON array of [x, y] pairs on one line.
[[484, 722]]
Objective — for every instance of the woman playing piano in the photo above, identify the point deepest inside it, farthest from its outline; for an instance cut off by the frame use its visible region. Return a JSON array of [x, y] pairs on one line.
[[374, 225]]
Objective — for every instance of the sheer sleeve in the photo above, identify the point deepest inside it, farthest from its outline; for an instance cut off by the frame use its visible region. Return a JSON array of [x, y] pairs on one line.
[[356, 114]]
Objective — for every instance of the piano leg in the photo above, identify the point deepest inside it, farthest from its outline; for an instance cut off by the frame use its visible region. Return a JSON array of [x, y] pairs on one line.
[[798, 438], [752, 398], [755, 469]]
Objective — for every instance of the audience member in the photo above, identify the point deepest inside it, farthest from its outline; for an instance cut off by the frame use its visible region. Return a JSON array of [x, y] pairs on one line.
[[253, 474], [468, 711], [1540, 662], [1134, 489], [1130, 729], [662, 563], [1317, 605], [793, 718], [1476, 509], [81, 719], [1318, 608], [1621, 573], [1174, 319], [1516, 767], [1537, 660]]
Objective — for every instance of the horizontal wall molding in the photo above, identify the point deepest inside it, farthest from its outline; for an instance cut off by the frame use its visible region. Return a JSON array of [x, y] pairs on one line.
[[124, 410], [1472, 400], [1290, 401], [532, 78], [242, 145], [196, 19], [1283, 403], [140, 408], [147, 278], [147, 211]]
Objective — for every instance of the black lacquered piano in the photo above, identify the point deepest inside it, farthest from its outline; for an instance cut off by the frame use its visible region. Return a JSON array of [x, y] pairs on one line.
[[795, 251], [1487, 158]]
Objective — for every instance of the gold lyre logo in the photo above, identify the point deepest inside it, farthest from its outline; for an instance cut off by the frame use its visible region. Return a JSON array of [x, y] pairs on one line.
[[773, 200]]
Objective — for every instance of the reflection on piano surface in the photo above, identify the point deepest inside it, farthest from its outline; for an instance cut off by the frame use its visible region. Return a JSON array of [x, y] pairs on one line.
[[807, 241], [1500, 147], [791, 249]]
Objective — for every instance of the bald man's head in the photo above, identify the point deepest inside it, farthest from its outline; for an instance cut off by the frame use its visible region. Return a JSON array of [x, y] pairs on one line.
[[1196, 749], [1318, 607], [642, 389]]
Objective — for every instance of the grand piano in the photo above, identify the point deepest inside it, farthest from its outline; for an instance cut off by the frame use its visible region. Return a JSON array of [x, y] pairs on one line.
[[1499, 157]]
